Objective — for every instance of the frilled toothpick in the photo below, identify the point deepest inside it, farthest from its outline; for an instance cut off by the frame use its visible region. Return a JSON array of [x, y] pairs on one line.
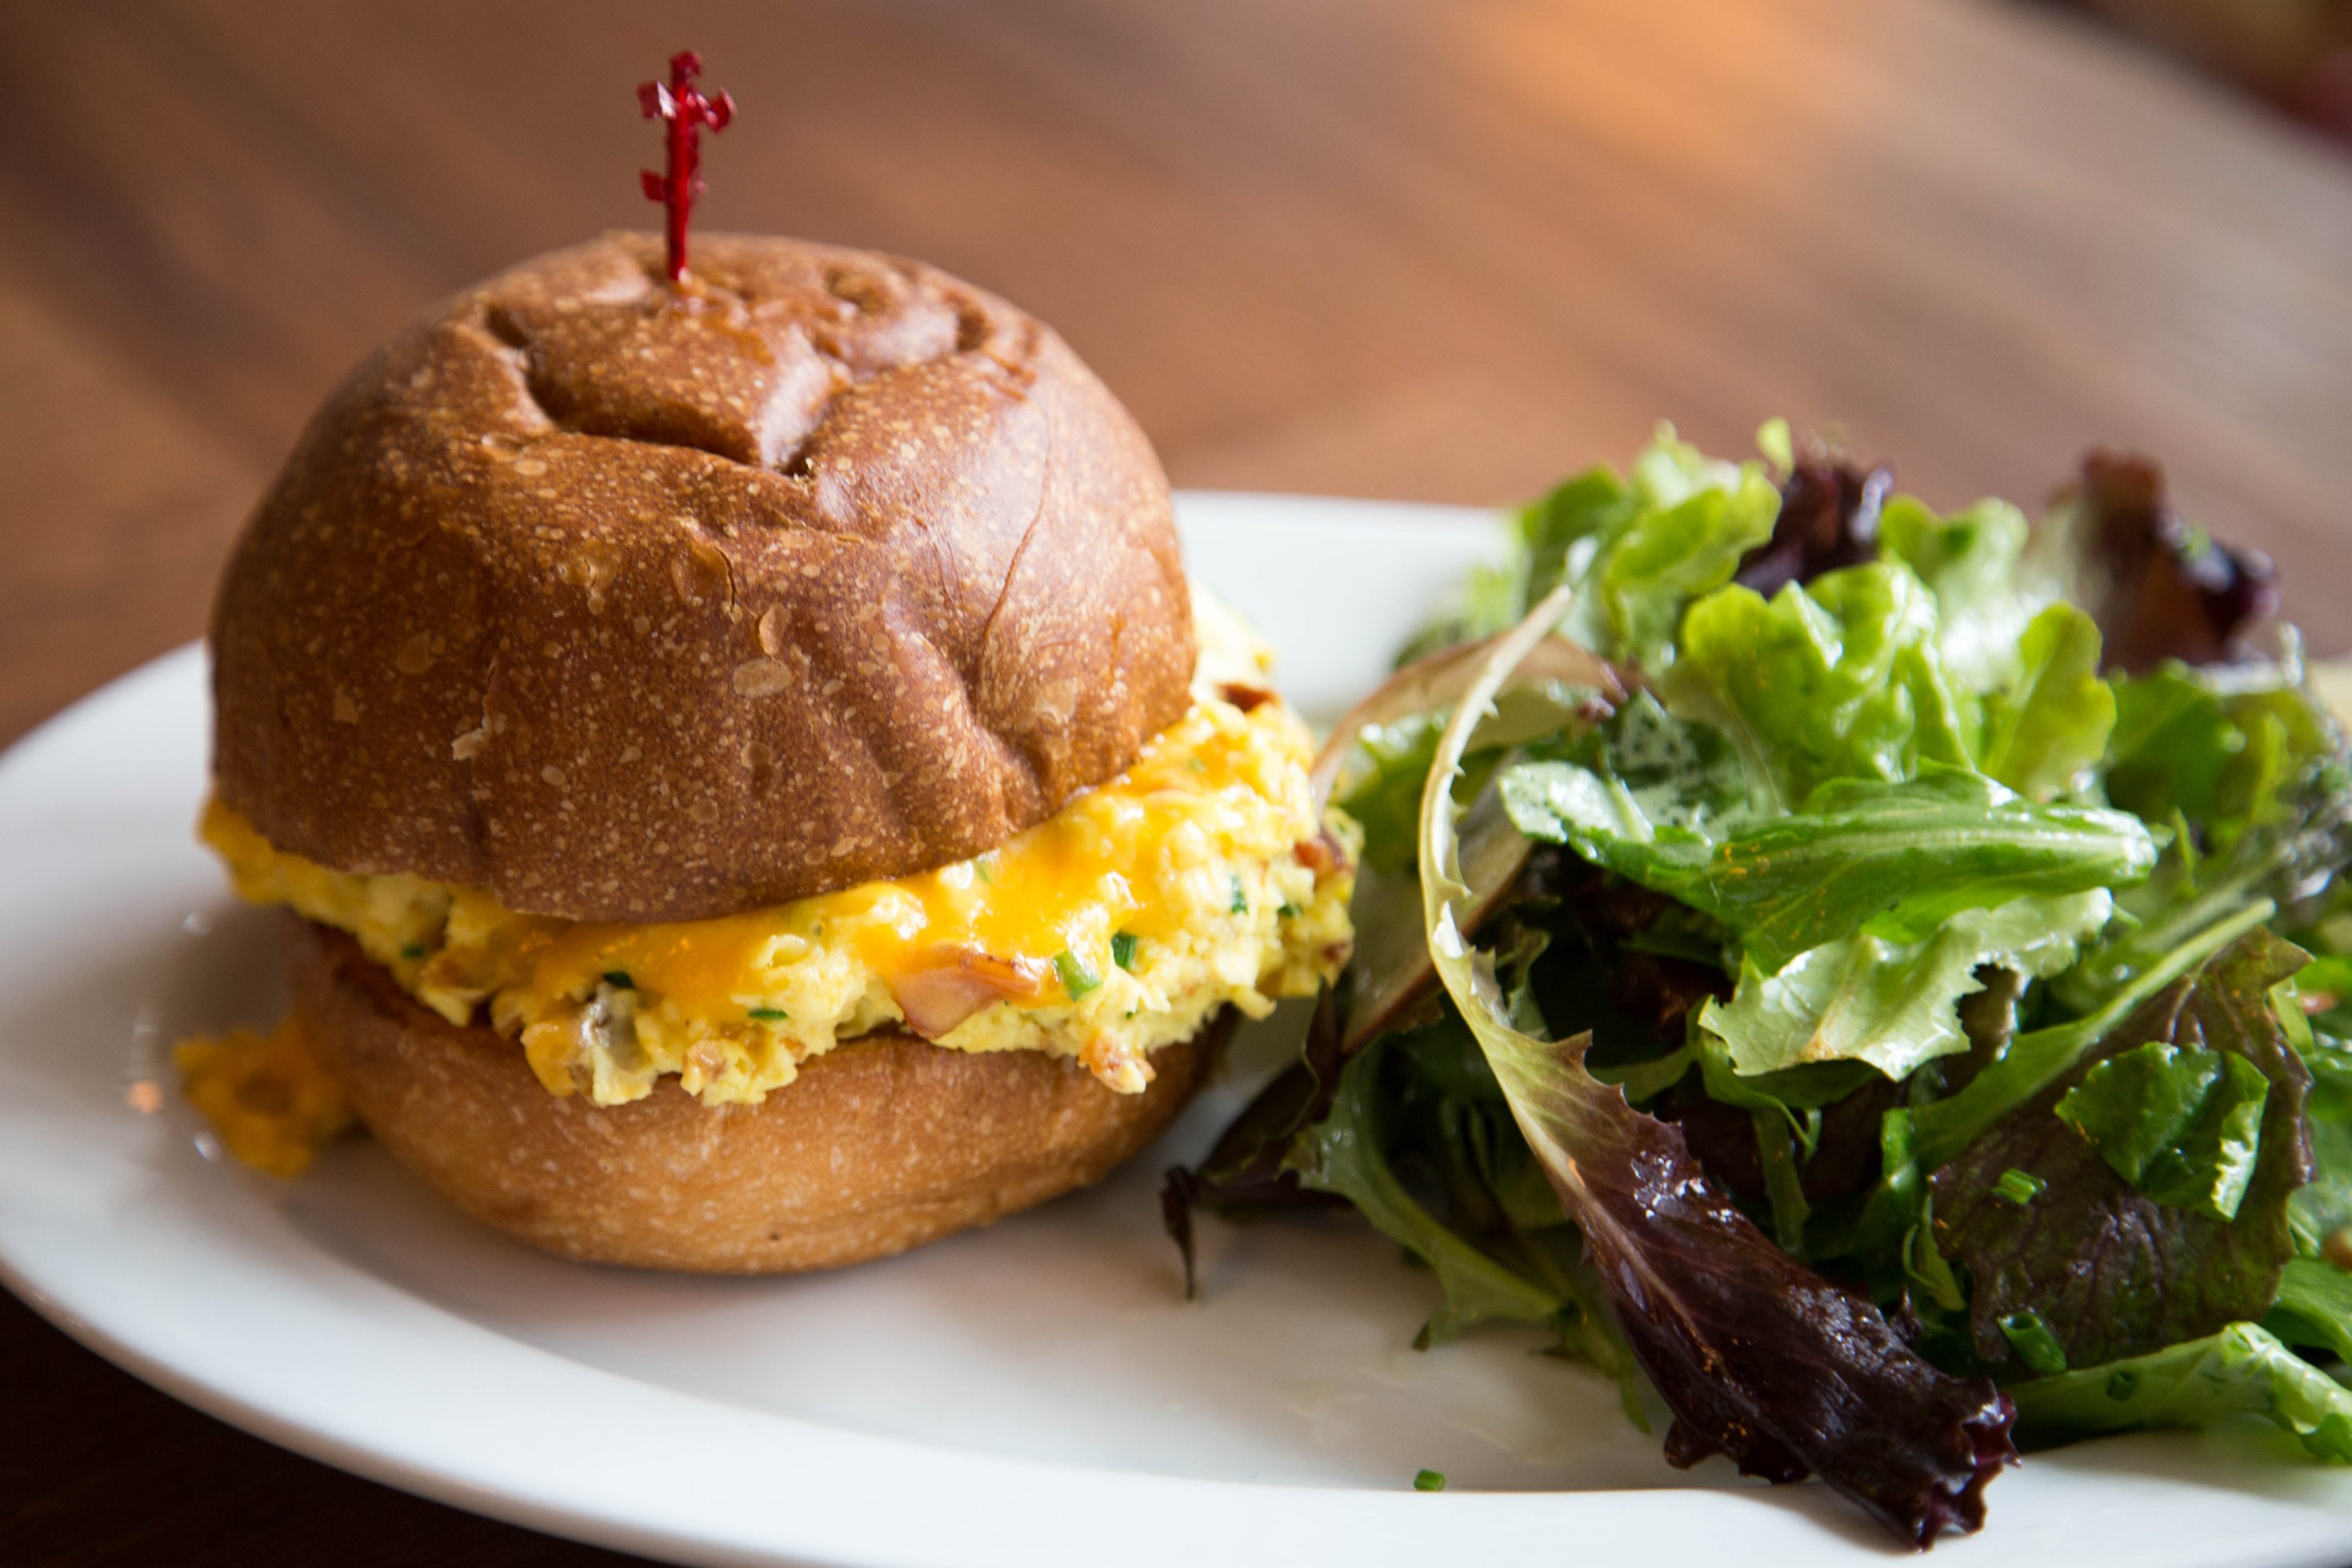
[[686, 110]]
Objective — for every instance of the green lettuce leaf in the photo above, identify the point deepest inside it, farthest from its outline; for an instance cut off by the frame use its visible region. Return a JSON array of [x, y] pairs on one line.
[[2227, 760], [1639, 549], [2314, 1308], [1897, 859], [1562, 532], [2324, 1205], [1837, 679], [1968, 561], [1894, 1005], [2181, 1124], [1694, 520], [2240, 1371], [1657, 772], [2258, 811], [1941, 1131], [2046, 728]]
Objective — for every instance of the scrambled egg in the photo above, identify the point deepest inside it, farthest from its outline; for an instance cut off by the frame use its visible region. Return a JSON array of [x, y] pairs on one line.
[[271, 1101], [1200, 877]]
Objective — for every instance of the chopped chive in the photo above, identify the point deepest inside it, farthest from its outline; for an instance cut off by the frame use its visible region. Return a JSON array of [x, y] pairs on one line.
[[768, 1015], [413, 950], [2035, 1345], [1288, 911], [980, 869], [1123, 950], [619, 979], [1429, 1481], [1240, 905], [2020, 1187], [1077, 978]]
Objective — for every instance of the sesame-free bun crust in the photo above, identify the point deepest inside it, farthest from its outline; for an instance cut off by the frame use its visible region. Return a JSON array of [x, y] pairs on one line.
[[627, 603], [880, 1144]]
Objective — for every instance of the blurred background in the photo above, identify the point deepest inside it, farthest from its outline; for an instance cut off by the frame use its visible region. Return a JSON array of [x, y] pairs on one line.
[[2297, 54], [1440, 250], [1429, 248]]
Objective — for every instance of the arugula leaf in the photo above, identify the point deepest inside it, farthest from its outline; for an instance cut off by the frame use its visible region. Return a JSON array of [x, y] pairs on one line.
[[2113, 1271], [2239, 1371], [2314, 1308], [1897, 859], [2181, 1124], [2051, 724], [1894, 1005], [1758, 1357]]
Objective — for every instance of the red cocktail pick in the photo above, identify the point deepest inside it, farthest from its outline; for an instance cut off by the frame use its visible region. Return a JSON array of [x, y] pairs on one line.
[[685, 108]]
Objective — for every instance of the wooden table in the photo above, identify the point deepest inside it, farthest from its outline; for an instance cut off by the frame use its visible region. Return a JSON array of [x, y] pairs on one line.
[[1435, 249]]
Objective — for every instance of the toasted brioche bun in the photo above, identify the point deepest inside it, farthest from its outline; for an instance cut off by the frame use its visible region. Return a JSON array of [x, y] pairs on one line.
[[881, 1144], [630, 603]]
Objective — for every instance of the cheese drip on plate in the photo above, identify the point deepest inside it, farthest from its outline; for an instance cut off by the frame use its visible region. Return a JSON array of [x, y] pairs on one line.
[[1200, 878]]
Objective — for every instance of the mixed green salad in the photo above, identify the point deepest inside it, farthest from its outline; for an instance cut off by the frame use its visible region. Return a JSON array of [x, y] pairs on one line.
[[1880, 977]]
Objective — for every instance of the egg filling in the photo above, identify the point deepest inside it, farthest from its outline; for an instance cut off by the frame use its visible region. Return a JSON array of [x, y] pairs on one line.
[[1200, 877]]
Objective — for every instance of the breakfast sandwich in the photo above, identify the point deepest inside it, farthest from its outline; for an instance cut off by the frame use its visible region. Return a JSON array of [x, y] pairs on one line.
[[749, 783]]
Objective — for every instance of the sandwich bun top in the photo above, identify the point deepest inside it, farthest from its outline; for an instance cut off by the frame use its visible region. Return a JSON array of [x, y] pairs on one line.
[[634, 603]]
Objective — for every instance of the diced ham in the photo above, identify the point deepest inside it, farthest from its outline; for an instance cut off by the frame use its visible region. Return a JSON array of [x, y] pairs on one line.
[[1245, 697], [1322, 854], [1119, 1066], [954, 982]]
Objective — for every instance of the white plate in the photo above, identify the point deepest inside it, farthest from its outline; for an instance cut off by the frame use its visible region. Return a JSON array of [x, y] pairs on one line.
[[1037, 1393]]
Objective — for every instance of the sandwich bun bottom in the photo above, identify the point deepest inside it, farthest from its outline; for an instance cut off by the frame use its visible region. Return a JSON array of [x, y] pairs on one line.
[[883, 1143]]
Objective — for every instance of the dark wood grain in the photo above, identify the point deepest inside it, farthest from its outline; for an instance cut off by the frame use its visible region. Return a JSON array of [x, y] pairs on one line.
[[98, 1468], [1431, 248]]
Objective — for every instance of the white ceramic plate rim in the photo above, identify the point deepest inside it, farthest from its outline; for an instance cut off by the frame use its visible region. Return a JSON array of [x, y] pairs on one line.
[[310, 1353]]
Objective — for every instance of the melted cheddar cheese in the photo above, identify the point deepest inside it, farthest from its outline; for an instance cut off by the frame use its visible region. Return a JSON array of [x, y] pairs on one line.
[[271, 1100], [1200, 877]]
